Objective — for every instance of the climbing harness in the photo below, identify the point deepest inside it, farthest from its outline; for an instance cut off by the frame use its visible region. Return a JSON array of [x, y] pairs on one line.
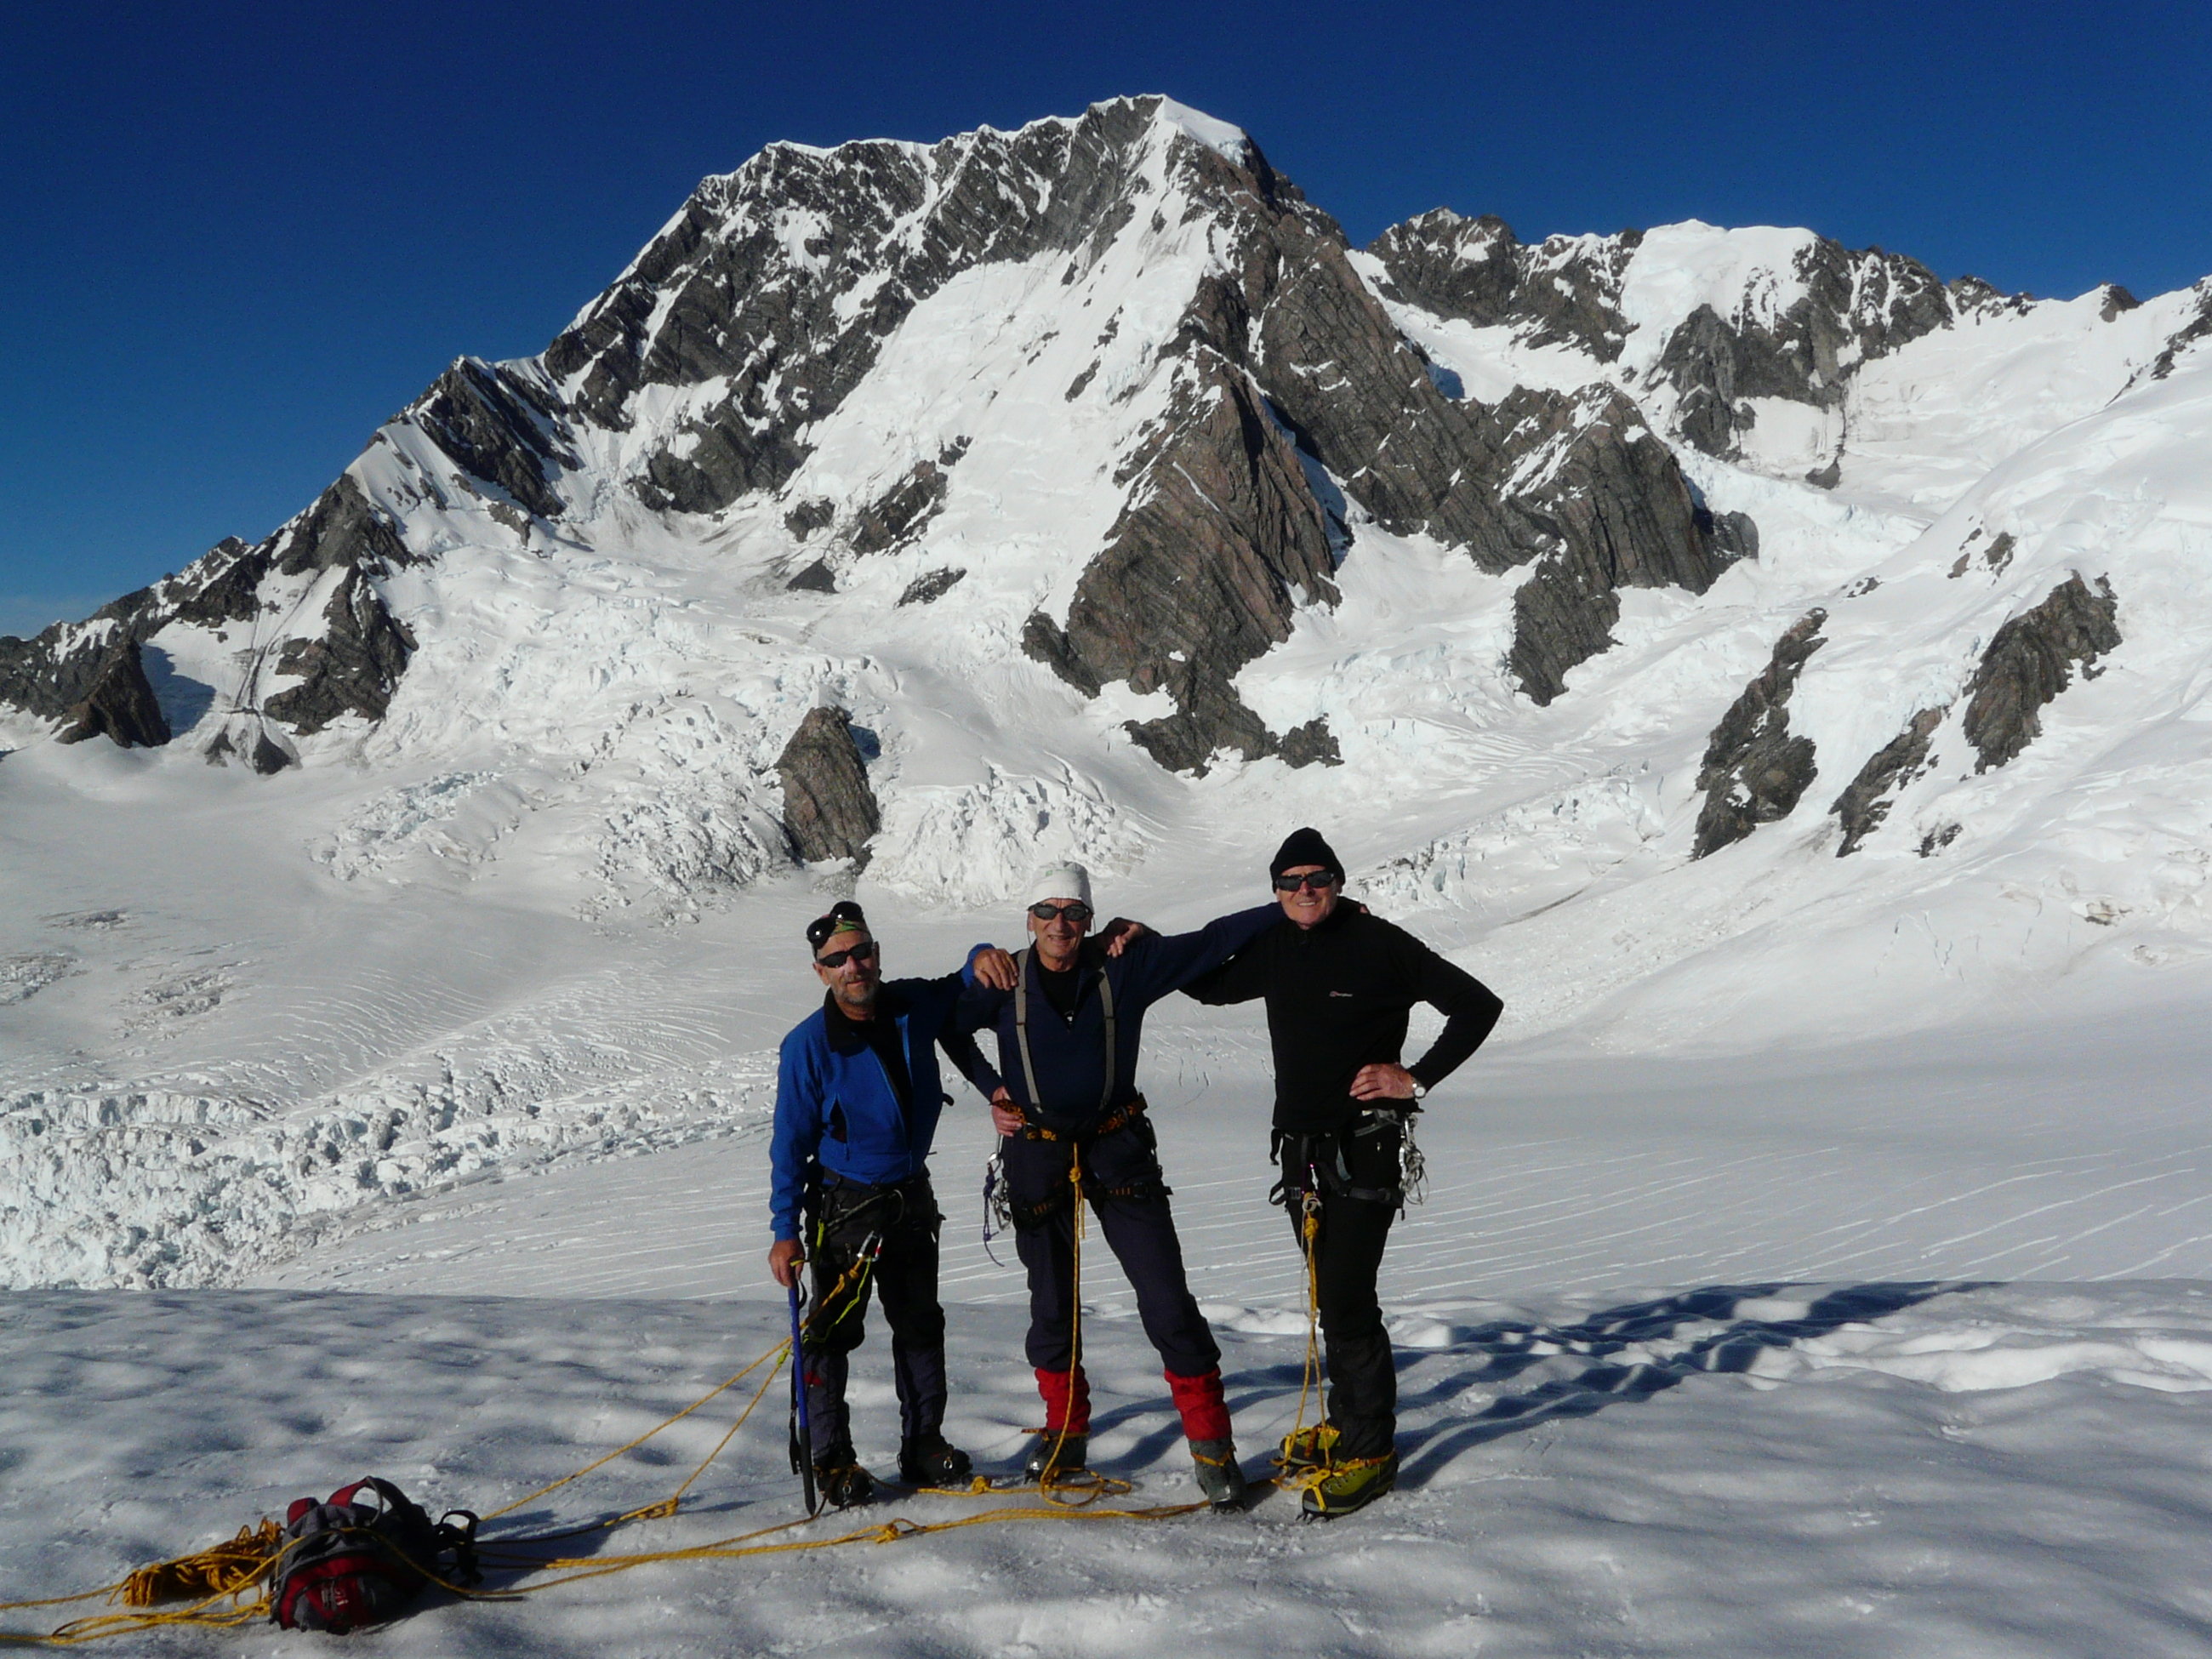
[[1325, 1160]]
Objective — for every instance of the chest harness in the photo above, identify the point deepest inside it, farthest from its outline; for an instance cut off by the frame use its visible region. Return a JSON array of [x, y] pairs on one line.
[[1000, 1210]]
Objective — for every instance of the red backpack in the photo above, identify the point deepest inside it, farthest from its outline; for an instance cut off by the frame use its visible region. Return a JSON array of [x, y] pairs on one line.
[[354, 1561]]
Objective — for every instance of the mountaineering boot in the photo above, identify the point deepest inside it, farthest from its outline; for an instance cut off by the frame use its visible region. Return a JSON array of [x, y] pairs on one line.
[[928, 1460], [840, 1479], [1053, 1455], [1307, 1448], [1220, 1476], [1351, 1483]]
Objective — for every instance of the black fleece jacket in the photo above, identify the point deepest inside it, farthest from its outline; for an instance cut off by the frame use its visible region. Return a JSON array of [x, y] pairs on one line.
[[1338, 994]]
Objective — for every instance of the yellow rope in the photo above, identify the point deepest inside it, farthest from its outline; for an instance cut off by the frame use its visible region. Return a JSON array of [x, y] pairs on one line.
[[1309, 1382], [218, 1571], [228, 1570], [778, 1354], [1078, 1489]]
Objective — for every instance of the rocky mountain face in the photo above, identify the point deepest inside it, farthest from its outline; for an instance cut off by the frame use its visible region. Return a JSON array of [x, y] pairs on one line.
[[1845, 308], [807, 366]]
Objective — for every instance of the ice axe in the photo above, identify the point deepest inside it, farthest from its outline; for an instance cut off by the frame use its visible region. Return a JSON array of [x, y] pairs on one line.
[[802, 1432]]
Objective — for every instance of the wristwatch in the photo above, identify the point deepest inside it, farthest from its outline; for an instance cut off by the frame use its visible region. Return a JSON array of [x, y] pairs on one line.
[[1420, 1089]]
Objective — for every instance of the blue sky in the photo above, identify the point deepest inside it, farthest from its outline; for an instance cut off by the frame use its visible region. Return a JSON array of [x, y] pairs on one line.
[[235, 240]]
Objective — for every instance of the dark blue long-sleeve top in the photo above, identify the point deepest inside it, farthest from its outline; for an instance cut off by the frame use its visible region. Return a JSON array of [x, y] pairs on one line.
[[1070, 1052], [839, 1100]]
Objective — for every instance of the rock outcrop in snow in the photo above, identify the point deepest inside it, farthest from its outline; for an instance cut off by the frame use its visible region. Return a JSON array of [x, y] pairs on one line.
[[827, 807], [2031, 661], [1755, 770]]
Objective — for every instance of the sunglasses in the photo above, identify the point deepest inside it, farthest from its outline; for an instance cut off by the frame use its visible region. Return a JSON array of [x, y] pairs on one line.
[[1314, 881], [844, 913], [1044, 911], [864, 951]]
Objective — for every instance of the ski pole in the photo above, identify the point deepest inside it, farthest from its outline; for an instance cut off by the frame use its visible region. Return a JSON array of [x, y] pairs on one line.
[[802, 1432]]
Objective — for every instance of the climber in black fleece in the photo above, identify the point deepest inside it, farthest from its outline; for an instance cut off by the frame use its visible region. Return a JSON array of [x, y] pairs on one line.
[[1339, 985]]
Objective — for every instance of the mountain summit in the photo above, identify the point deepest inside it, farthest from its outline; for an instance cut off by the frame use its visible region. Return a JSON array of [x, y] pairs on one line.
[[1718, 639], [1075, 435]]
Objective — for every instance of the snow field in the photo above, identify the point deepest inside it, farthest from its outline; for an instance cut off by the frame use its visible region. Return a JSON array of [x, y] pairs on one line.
[[1878, 1469]]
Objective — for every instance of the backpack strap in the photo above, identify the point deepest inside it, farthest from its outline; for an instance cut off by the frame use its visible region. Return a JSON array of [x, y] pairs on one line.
[[1106, 1004], [1022, 1025], [1022, 1029]]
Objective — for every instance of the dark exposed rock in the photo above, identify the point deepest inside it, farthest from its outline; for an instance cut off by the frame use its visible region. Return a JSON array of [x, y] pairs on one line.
[[2030, 661], [1619, 513], [901, 513], [258, 751], [494, 424], [1602, 497], [1564, 291], [1562, 614], [352, 670], [342, 528], [1864, 803], [1996, 556], [1858, 307], [816, 578], [2198, 328], [931, 586], [1754, 771], [1937, 840], [1198, 572], [1567, 291], [721, 296], [231, 590], [2117, 303], [829, 809], [54, 675], [1284, 347], [119, 702], [803, 520]]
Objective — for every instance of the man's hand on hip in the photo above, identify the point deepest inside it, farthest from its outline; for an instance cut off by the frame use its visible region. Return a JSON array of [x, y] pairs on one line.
[[1383, 1081]]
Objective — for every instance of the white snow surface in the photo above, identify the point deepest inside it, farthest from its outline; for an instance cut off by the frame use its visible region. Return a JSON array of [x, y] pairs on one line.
[[1815, 1263]]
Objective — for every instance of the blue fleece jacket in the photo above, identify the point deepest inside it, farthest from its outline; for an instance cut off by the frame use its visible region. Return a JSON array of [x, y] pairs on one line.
[[836, 1100], [1071, 1054]]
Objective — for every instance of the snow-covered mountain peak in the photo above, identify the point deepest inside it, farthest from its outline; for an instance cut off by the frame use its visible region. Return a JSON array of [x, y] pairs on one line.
[[1096, 483]]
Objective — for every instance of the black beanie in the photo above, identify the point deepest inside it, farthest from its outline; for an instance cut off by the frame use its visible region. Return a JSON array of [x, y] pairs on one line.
[[1306, 846]]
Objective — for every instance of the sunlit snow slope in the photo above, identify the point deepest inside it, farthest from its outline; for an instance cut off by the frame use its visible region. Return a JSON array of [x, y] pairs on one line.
[[518, 890]]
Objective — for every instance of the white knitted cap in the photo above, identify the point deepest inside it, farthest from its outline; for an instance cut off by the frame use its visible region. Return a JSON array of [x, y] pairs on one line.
[[1059, 881]]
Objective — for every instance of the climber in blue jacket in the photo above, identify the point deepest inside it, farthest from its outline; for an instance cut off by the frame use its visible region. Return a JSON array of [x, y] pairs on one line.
[[858, 1095]]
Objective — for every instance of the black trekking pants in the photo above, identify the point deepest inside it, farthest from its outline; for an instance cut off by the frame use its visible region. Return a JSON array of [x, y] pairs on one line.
[[1129, 1197], [1347, 1254], [902, 1223]]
